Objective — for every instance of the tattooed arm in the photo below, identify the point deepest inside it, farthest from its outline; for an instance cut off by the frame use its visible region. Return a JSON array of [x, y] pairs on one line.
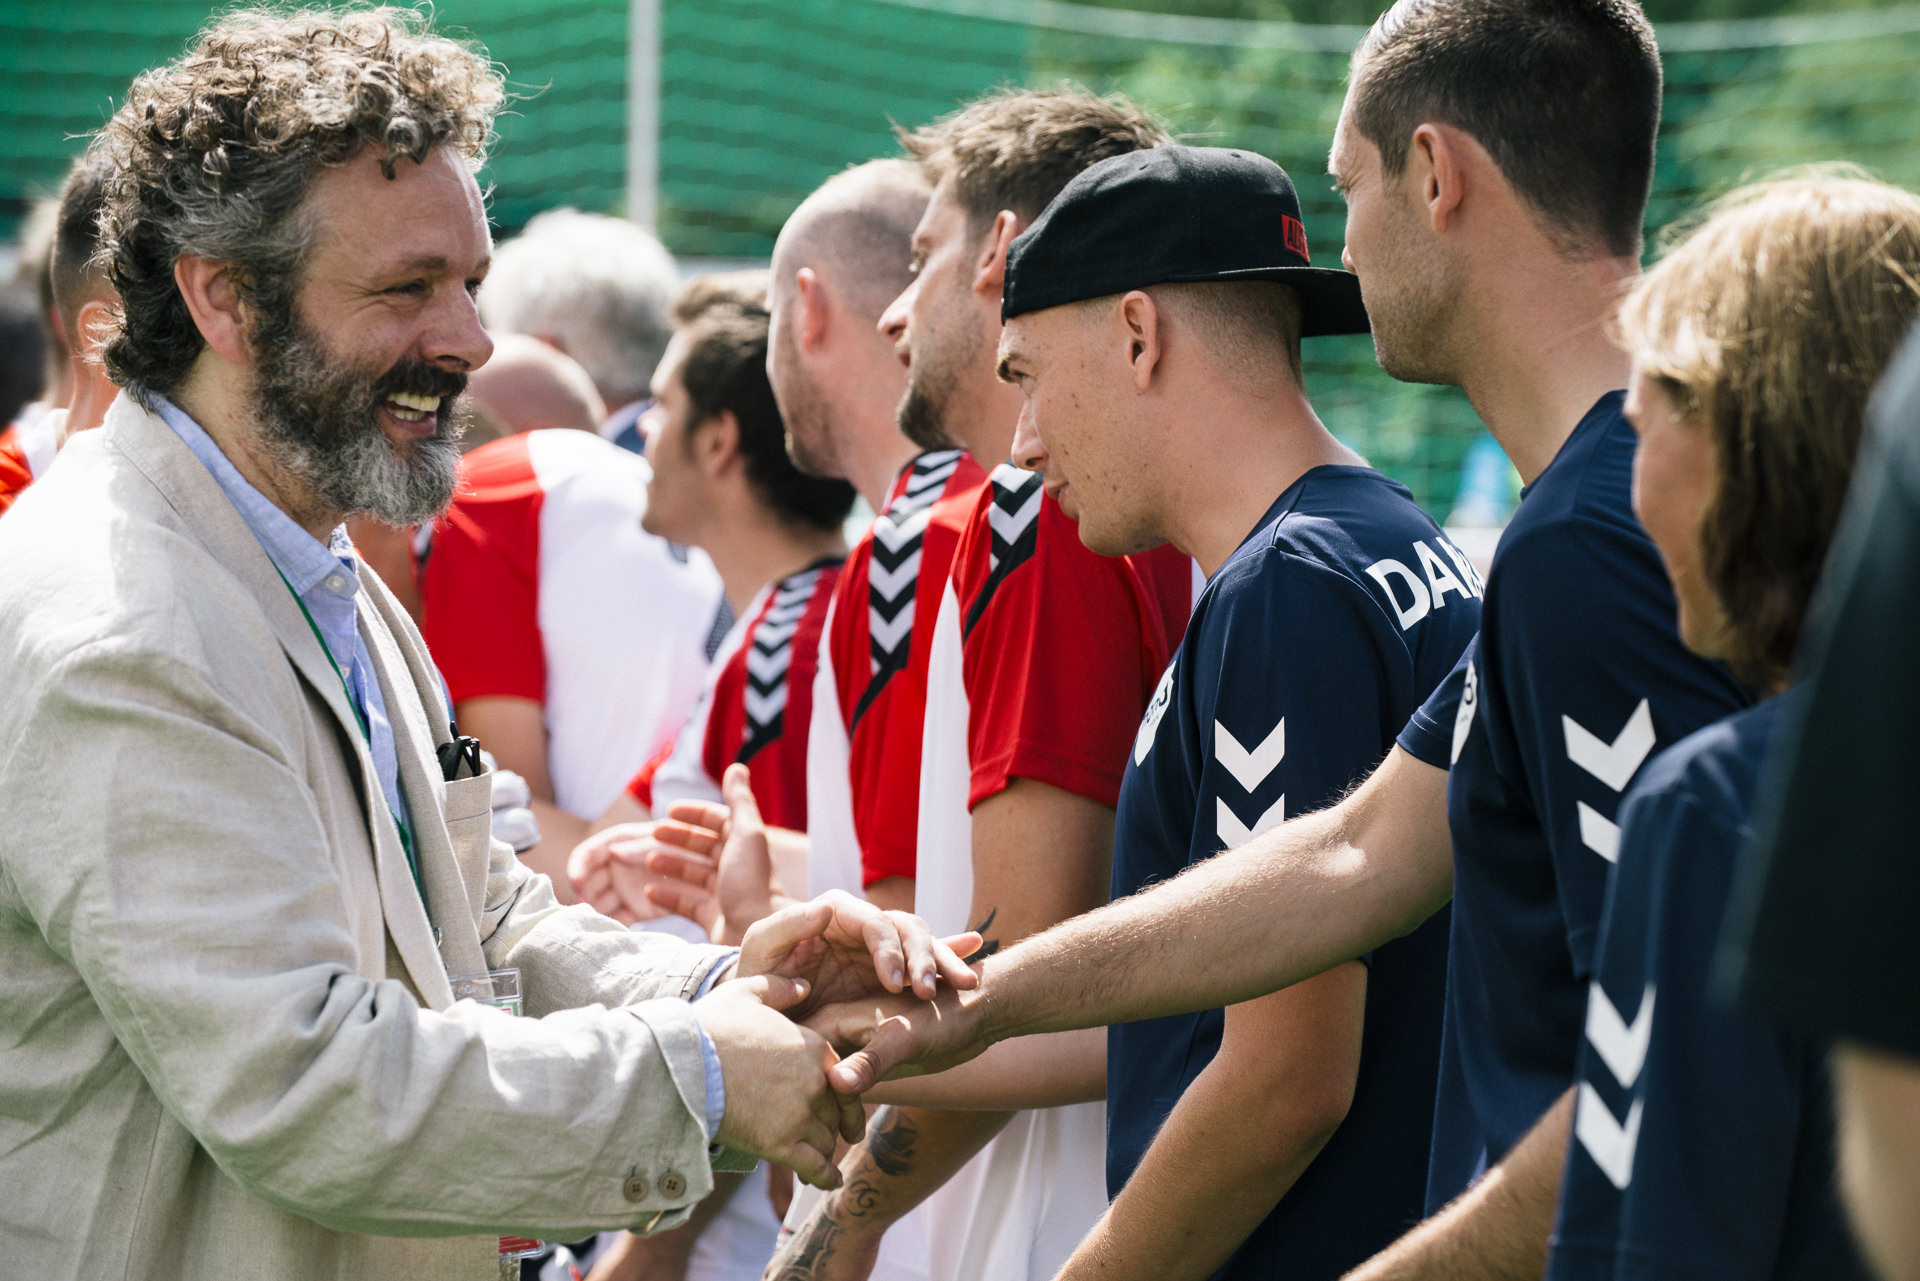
[[1040, 855]]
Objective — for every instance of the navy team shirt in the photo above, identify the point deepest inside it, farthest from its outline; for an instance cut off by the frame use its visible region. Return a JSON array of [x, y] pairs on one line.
[[1577, 678], [1703, 1140], [1306, 652]]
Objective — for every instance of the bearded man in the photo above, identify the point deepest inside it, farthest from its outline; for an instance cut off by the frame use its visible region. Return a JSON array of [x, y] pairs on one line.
[[246, 870]]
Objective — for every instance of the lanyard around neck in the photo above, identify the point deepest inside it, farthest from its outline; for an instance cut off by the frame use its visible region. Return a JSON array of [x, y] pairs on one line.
[[360, 719]]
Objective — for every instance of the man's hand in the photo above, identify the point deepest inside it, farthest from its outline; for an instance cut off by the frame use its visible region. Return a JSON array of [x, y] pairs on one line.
[[609, 871], [778, 1103], [845, 949], [895, 1036]]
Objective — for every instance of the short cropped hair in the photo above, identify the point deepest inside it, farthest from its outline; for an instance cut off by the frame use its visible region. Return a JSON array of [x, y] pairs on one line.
[[1769, 327], [1016, 148], [599, 286], [215, 155], [78, 271], [858, 225], [1563, 94], [725, 321]]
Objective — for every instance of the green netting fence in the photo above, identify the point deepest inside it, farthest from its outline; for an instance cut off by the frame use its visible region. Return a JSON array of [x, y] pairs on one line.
[[761, 99]]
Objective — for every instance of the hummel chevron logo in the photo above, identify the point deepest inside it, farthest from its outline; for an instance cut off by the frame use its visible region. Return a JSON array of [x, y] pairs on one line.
[[1609, 1143], [1612, 763], [1015, 509], [1598, 832], [770, 659], [1013, 527], [762, 708], [1233, 832], [1250, 769], [1621, 1046], [893, 571]]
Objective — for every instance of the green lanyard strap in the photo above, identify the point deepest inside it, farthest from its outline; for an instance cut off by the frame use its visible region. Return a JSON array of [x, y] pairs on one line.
[[360, 719]]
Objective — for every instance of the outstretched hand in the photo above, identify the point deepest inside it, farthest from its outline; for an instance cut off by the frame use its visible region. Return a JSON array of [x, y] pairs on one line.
[[609, 871], [845, 948], [713, 864]]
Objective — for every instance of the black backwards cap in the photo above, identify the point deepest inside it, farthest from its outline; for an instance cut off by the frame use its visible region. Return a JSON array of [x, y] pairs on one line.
[[1175, 215]]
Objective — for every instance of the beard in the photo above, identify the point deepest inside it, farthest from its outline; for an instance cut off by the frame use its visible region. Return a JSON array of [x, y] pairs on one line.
[[804, 411], [318, 418], [933, 379]]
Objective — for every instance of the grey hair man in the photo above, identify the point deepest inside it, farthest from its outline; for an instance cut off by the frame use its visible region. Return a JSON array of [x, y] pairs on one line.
[[600, 289], [246, 882]]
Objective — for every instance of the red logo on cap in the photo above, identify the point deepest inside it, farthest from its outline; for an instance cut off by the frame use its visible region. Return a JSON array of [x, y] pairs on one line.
[[1295, 235]]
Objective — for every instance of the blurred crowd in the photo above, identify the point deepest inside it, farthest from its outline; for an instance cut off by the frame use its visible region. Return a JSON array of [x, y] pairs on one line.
[[1333, 903]]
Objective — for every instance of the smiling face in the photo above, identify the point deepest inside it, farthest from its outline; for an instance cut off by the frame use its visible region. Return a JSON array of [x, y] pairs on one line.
[[1407, 285], [939, 327], [356, 374], [1078, 424], [1675, 478]]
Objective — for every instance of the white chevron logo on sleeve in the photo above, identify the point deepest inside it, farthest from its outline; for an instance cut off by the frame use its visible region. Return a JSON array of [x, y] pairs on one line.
[[1598, 832], [1610, 1144], [1233, 832], [890, 582], [1250, 769], [1612, 763], [1622, 1046], [1011, 524]]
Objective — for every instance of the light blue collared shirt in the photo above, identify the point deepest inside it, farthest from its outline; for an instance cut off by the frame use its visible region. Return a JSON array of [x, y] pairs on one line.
[[326, 580]]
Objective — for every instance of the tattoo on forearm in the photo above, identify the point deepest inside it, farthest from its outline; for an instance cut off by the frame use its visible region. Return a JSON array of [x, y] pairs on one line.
[[890, 1141], [859, 1198], [810, 1247], [988, 946]]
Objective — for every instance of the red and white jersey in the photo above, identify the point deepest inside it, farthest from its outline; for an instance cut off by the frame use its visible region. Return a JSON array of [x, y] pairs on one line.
[[870, 697], [757, 706], [1045, 656], [539, 583], [27, 447]]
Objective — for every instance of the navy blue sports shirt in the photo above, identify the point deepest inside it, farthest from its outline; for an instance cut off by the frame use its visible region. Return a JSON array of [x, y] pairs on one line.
[[1306, 653], [1578, 677], [1703, 1137]]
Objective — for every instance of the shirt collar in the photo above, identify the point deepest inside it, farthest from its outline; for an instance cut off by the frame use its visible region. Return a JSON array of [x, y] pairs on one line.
[[300, 558]]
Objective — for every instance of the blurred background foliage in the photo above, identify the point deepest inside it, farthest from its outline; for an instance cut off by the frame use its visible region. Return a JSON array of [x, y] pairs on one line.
[[759, 100]]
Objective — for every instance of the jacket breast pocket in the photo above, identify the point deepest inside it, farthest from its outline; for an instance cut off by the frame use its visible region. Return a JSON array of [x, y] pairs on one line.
[[469, 809]]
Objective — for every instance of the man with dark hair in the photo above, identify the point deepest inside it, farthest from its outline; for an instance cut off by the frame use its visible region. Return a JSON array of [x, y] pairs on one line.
[[1042, 657], [1174, 412], [1501, 791], [259, 948]]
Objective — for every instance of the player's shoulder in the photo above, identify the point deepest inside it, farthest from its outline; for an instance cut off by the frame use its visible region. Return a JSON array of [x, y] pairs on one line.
[[1715, 768], [546, 462]]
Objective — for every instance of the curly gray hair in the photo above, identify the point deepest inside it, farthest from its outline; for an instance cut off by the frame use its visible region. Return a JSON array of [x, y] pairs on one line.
[[214, 155]]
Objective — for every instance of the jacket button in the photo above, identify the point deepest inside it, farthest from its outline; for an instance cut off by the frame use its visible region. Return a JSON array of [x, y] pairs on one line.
[[635, 1188], [672, 1185]]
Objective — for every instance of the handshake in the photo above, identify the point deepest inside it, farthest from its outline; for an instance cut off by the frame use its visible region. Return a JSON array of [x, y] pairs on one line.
[[814, 980]]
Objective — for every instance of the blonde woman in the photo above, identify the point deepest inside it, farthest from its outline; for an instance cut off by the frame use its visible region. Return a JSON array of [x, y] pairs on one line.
[[1702, 1141]]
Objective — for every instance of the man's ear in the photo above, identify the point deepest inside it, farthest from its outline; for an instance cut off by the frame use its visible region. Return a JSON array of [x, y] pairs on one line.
[[990, 271], [1436, 163], [212, 295], [716, 443], [95, 326], [810, 315], [1138, 325]]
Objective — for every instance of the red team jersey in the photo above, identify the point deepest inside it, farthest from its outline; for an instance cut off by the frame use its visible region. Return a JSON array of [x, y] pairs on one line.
[[540, 584], [1045, 656], [877, 647], [757, 706]]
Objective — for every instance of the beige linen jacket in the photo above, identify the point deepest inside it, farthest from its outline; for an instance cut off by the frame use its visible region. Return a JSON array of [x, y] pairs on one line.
[[228, 1045]]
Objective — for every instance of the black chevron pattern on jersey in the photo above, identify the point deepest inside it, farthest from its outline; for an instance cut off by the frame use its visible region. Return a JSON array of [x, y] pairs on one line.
[[893, 570], [1014, 521], [770, 659]]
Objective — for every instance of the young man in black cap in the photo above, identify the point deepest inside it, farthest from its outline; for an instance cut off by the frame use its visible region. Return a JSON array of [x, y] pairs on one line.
[[1153, 323], [1495, 156]]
